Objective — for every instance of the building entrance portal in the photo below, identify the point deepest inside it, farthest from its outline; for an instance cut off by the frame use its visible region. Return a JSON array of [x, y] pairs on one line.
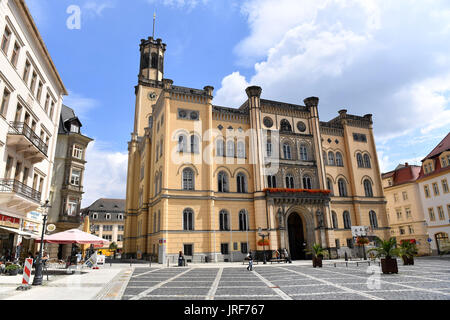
[[297, 241]]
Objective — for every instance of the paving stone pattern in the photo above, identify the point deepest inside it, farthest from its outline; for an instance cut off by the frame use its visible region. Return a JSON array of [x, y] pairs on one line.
[[426, 280]]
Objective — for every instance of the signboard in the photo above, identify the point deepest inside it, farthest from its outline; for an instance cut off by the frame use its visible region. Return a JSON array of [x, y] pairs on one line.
[[11, 222], [101, 259], [30, 226], [35, 215], [360, 231], [91, 261]]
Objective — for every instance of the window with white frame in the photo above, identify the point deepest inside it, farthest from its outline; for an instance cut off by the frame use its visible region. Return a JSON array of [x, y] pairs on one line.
[[72, 208], [77, 152], [75, 178]]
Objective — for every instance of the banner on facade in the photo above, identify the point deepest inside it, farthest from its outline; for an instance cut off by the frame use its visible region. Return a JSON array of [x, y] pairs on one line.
[[360, 231], [10, 222]]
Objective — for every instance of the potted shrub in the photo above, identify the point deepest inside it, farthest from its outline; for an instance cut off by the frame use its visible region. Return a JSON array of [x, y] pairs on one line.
[[361, 242], [387, 251], [12, 269], [408, 250], [318, 253]]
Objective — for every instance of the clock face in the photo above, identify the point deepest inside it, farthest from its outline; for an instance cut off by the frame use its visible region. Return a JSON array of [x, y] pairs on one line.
[[152, 96]]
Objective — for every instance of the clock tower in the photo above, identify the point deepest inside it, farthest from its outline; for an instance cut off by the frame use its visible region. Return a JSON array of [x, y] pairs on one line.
[[150, 82]]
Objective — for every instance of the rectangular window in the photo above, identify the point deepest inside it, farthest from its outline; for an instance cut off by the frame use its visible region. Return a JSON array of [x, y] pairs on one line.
[[107, 228], [187, 249], [39, 92], [119, 238], [411, 230], [399, 214], [224, 248], [445, 185], [72, 209], [405, 195], [436, 189], [441, 213], [5, 102], [107, 237], [350, 243], [244, 247], [408, 213], [395, 197], [427, 191], [75, 178], [120, 228], [26, 71], [338, 243], [77, 152], [33, 82], [15, 54], [402, 230], [47, 103], [431, 213], [5, 40]]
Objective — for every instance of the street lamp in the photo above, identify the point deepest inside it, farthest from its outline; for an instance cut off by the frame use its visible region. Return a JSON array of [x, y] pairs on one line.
[[38, 277], [263, 236]]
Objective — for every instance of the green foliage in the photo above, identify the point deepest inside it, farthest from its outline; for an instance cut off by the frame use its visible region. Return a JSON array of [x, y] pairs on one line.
[[386, 248], [113, 246], [318, 251], [12, 267], [408, 249]]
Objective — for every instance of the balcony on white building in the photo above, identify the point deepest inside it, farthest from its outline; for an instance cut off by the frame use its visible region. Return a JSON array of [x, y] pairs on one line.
[[23, 138], [18, 197]]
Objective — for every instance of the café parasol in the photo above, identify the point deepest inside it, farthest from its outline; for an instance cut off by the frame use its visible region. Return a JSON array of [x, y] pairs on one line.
[[73, 236]]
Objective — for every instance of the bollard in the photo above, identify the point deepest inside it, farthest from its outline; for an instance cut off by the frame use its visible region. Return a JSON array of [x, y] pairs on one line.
[[131, 262]]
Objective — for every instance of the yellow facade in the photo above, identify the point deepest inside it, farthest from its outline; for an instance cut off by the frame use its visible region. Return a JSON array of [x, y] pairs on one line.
[[204, 179]]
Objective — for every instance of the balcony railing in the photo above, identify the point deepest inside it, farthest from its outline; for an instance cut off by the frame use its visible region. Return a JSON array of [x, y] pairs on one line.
[[9, 185], [21, 128]]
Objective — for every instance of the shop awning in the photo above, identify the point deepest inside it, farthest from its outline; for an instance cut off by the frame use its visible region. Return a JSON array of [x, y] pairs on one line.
[[22, 233]]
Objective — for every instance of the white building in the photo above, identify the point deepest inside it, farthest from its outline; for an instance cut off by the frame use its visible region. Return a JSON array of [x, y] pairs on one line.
[[435, 195], [31, 92]]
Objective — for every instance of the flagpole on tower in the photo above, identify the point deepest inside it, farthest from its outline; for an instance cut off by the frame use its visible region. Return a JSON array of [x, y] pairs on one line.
[[154, 20]]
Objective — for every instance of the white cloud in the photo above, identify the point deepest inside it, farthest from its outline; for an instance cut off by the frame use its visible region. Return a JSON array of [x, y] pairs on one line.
[[390, 59], [105, 175], [189, 4], [96, 8], [80, 104]]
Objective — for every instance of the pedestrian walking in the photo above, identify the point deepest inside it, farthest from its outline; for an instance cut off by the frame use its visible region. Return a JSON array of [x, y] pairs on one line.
[[286, 256], [250, 261]]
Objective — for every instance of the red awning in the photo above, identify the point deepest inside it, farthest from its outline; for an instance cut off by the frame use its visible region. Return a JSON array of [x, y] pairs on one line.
[[73, 236]]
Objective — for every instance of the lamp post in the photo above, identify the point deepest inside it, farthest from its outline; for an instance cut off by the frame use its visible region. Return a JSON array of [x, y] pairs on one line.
[[38, 277], [263, 236]]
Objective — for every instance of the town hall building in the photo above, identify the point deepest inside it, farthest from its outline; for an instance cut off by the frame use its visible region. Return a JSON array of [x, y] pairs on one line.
[[209, 181]]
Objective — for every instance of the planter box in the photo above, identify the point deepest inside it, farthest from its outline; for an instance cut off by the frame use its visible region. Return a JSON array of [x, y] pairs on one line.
[[389, 266], [408, 261], [317, 262], [13, 272]]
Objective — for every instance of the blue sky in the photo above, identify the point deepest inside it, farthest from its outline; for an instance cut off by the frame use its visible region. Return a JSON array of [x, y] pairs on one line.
[[387, 58]]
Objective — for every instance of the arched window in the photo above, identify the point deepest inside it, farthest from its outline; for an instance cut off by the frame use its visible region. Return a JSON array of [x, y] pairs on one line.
[[290, 181], [330, 158], [241, 183], [182, 143], [188, 179], [324, 156], [347, 221], [303, 153], [339, 161], [307, 183], [194, 144], [287, 151], [330, 186], [335, 220], [271, 181], [154, 64], [188, 220], [243, 220], [285, 126], [373, 219], [269, 148], [367, 161], [342, 188], [359, 160], [224, 221], [219, 148], [222, 180], [230, 148], [368, 188], [241, 149]]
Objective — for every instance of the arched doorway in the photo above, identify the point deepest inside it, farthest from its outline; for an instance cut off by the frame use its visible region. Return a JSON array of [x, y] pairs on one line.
[[296, 237]]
